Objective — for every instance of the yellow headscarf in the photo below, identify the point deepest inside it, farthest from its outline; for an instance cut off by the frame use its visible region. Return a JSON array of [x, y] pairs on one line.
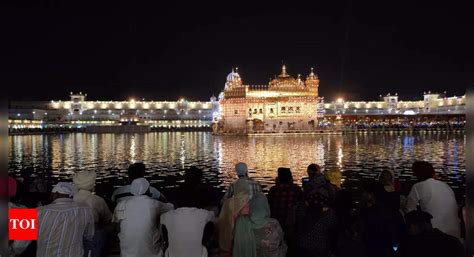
[[229, 213], [334, 176]]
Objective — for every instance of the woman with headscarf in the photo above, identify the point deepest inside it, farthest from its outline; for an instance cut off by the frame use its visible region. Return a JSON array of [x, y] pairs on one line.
[[232, 209], [245, 227], [268, 232], [84, 183]]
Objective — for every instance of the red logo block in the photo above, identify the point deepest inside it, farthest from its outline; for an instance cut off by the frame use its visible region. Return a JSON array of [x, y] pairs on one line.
[[23, 224]]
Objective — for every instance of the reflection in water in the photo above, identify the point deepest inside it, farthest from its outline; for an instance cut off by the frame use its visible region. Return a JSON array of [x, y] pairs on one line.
[[167, 154], [132, 149]]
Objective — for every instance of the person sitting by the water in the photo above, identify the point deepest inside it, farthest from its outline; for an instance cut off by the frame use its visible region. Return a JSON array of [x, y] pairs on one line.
[[136, 170], [63, 224], [187, 230], [192, 192], [85, 184], [424, 240], [32, 190], [390, 194], [245, 228], [242, 172], [282, 199], [316, 223], [315, 179], [350, 227], [383, 226], [138, 217], [313, 170], [436, 198]]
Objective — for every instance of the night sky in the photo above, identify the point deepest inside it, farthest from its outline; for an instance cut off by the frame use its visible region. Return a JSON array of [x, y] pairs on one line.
[[164, 50]]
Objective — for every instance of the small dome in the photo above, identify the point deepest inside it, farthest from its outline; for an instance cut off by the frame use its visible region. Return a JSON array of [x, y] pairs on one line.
[[233, 76]]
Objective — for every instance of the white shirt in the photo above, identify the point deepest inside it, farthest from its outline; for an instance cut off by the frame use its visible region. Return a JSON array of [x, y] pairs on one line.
[[126, 191], [139, 226], [100, 210], [436, 198], [185, 230]]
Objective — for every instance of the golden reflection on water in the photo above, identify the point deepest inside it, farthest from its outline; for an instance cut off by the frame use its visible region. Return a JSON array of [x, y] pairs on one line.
[[167, 154]]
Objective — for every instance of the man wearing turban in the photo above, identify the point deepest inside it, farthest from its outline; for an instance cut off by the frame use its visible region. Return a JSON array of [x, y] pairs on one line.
[[63, 224], [138, 217], [84, 183]]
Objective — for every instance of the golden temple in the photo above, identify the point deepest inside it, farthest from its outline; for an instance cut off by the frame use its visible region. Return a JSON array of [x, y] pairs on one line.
[[285, 104]]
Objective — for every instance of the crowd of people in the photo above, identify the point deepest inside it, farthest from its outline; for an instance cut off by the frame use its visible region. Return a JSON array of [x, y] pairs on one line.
[[316, 219]]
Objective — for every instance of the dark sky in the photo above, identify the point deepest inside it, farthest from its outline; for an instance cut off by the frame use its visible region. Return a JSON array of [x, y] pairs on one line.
[[163, 50]]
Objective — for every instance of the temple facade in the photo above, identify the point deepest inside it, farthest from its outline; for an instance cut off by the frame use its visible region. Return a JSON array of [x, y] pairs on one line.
[[285, 104]]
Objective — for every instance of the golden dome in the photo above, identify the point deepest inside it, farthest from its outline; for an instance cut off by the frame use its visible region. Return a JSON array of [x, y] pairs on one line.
[[284, 80]]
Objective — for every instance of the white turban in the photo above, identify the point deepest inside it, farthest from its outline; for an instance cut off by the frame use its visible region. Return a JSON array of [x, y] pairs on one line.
[[84, 180], [241, 169], [139, 186], [64, 188]]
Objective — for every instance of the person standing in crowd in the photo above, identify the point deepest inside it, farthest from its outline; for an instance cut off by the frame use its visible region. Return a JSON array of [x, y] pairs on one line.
[[138, 217], [424, 240], [434, 197], [282, 199], [186, 230], [136, 170], [63, 224], [242, 172], [85, 184]]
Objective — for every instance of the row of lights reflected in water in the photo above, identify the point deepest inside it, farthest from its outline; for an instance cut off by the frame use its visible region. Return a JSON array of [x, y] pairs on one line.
[[168, 154]]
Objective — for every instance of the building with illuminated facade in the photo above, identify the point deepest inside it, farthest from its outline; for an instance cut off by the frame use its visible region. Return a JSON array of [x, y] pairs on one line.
[[78, 112], [285, 104], [290, 104]]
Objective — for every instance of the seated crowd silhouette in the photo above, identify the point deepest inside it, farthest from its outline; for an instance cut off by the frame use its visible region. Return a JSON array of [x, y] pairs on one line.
[[317, 219]]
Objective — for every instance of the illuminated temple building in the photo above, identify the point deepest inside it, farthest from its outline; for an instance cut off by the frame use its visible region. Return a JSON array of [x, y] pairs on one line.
[[285, 104]]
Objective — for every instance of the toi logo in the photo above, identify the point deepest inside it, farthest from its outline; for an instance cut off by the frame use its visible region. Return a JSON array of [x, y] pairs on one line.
[[23, 224]]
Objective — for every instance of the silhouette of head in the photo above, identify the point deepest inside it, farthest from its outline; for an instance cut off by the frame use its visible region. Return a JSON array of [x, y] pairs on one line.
[[284, 176], [136, 170], [241, 169], [193, 176], [423, 170], [386, 178], [313, 170]]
